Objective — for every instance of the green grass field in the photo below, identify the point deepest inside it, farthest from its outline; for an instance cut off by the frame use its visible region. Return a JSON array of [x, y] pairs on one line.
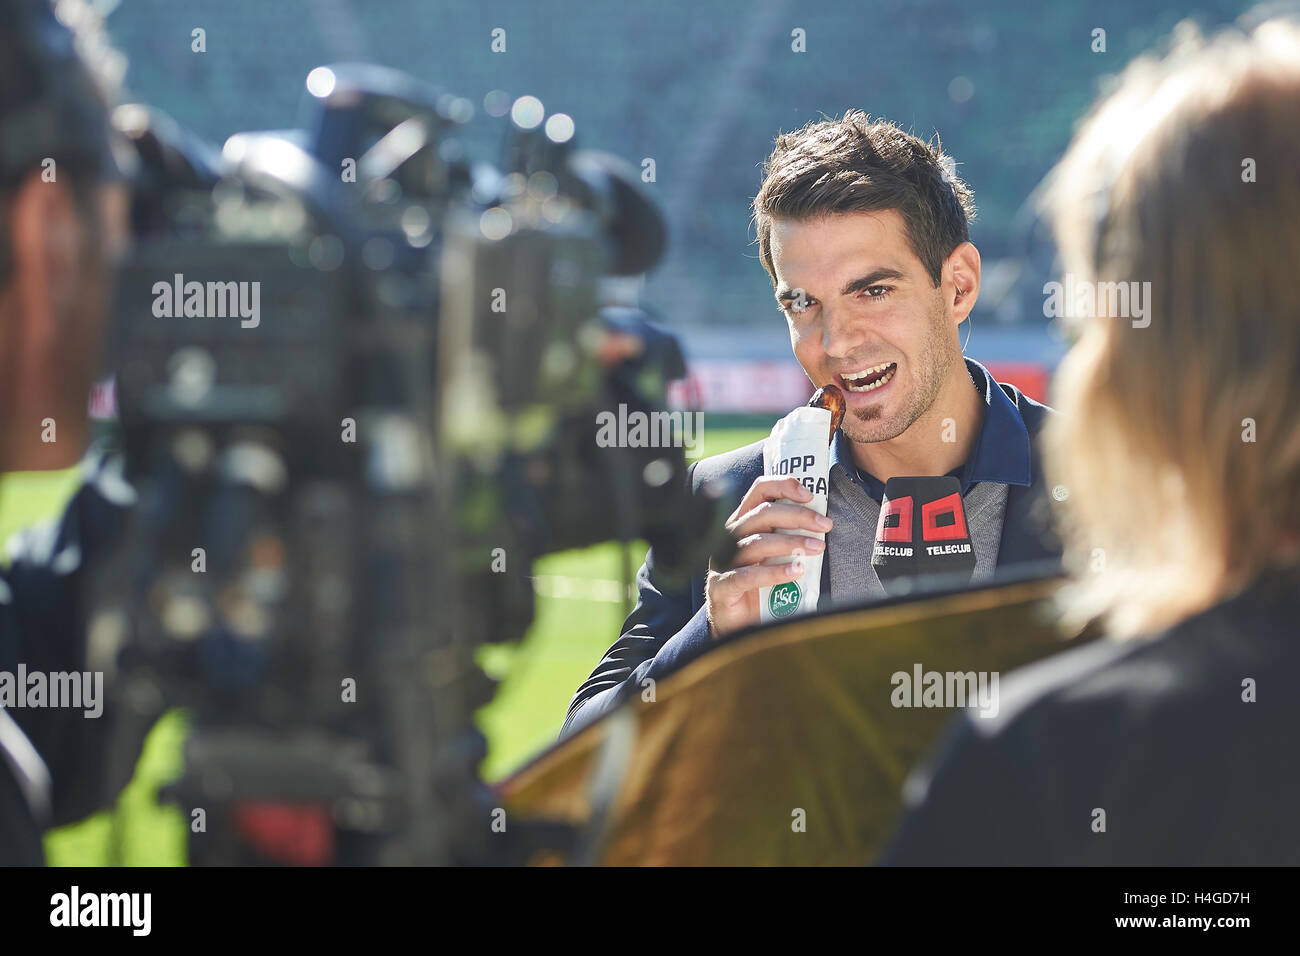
[[538, 676]]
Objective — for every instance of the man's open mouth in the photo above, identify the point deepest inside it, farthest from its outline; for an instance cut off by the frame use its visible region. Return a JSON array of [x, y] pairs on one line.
[[867, 379]]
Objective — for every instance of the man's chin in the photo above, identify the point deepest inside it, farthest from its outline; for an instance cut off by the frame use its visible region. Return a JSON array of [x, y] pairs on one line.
[[870, 425]]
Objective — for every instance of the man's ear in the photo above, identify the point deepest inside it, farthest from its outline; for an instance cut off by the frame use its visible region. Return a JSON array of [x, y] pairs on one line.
[[962, 280], [45, 251]]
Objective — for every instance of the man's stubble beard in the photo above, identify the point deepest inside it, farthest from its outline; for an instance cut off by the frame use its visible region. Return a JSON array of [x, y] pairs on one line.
[[932, 369]]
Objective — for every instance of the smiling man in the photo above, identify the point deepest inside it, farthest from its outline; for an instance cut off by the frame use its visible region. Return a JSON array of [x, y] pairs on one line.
[[863, 231]]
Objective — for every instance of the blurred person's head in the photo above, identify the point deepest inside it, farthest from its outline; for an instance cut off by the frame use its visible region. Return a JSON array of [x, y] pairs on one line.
[[1178, 443], [863, 230], [62, 220]]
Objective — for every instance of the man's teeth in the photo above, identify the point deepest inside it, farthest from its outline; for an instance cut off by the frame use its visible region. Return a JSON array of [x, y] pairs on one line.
[[850, 380]]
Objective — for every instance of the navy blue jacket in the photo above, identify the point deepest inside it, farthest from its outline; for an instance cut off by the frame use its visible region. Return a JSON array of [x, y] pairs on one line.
[[43, 626], [666, 629]]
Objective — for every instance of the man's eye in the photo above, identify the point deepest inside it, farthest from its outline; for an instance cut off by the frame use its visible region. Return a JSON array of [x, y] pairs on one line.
[[877, 291]]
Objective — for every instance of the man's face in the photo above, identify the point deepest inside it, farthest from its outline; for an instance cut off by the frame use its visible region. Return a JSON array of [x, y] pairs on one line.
[[858, 300], [53, 305]]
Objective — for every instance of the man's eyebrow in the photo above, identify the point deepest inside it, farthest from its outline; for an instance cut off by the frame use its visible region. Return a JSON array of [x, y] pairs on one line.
[[857, 285], [871, 278]]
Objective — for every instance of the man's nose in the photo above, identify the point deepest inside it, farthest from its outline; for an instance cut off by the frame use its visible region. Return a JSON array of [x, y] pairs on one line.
[[842, 335]]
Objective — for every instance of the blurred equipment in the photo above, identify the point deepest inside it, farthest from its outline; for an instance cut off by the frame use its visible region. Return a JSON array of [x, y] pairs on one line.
[[359, 380]]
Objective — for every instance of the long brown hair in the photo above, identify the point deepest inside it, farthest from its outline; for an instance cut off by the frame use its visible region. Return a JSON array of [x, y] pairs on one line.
[[1177, 450]]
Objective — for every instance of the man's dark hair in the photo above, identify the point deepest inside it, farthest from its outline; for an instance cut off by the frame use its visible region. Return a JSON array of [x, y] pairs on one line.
[[855, 164]]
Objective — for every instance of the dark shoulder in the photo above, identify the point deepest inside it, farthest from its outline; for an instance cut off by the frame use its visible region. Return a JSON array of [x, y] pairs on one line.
[[739, 466], [1187, 676]]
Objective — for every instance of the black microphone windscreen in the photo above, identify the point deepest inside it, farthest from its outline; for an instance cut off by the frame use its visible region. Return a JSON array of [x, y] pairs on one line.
[[636, 226], [921, 533]]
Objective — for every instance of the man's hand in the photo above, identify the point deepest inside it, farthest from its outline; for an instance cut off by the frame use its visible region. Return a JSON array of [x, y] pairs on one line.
[[731, 595]]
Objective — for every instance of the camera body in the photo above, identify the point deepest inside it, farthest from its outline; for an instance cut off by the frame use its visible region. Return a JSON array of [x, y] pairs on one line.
[[358, 379]]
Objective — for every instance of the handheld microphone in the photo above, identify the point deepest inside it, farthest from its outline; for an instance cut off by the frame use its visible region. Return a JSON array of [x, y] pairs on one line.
[[922, 534]]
